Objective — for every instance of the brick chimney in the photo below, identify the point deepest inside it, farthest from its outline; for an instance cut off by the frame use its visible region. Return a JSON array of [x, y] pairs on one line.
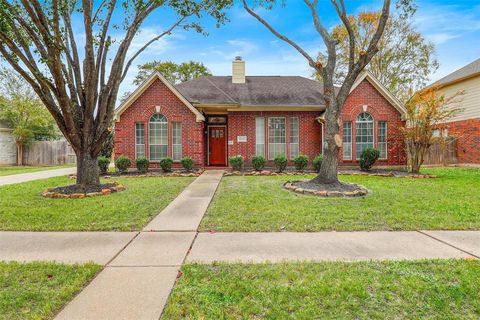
[[238, 70]]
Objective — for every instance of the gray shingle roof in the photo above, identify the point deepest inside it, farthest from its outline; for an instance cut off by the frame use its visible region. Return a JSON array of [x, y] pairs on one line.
[[466, 71], [256, 91]]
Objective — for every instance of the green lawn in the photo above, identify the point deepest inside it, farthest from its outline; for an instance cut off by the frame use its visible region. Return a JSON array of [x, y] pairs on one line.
[[39, 290], [6, 171], [429, 289], [255, 203], [22, 208]]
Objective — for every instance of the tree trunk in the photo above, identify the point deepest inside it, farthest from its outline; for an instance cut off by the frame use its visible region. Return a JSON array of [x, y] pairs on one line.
[[87, 169], [19, 154], [329, 168]]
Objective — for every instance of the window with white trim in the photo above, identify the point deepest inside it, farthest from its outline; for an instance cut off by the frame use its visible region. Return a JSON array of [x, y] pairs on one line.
[[347, 141], [176, 141], [139, 140], [364, 136], [382, 139], [276, 137], [294, 137], [158, 137], [260, 136]]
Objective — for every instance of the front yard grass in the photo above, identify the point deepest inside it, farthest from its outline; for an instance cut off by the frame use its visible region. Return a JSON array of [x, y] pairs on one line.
[[428, 289], [6, 171], [259, 203], [39, 290], [22, 208]]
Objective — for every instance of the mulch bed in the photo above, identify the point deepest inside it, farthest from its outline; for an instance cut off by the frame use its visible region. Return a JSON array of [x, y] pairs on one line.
[[76, 191], [152, 173], [340, 189], [267, 173], [386, 173]]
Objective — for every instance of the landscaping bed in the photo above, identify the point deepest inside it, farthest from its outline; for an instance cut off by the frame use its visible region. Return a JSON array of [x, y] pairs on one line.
[[79, 192], [39, 290], [22, 209], [153, 173], [427, 289], [250, 203], [386, 173]]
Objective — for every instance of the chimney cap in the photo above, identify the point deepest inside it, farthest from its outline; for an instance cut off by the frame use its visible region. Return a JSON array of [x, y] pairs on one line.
[[238, 58]]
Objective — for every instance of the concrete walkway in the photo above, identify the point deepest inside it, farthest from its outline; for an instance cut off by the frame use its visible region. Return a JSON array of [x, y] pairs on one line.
[[30, 176], [137, 282]]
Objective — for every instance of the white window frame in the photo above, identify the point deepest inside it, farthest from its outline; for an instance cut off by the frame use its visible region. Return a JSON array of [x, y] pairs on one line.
[[365, 144], [276, 144], [177, 141], [347, 145], [137, 145], [260, 136], [297, 140], [384, 143], [160, 127]]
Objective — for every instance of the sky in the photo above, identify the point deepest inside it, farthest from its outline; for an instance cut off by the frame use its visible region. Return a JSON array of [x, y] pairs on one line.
[[453, 26]]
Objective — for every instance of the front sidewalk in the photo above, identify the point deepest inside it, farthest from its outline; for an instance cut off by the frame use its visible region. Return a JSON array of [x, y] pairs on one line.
[[30, 176]]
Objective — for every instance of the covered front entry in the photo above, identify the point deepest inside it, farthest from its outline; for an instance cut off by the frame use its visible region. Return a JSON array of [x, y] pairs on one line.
[[217, 146]]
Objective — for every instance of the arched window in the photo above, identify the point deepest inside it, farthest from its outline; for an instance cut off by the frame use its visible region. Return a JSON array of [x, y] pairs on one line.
[[158, 137], [364, 133]]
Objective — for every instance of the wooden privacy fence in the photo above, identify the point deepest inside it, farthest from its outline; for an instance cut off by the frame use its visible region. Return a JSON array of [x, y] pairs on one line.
[[442, 152], [49, 153]]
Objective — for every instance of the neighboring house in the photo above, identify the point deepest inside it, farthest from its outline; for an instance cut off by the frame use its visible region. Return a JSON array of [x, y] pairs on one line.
[[8, 149], [464, 126], [216, 117]]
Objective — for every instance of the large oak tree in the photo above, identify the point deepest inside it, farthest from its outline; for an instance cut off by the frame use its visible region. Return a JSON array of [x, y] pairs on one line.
[[334, 97], [68, 52]]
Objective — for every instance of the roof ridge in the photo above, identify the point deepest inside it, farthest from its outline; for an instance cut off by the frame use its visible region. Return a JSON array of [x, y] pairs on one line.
[[228, 96]]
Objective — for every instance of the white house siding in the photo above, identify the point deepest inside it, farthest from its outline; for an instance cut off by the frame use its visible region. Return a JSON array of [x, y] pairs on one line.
[[470, 100]]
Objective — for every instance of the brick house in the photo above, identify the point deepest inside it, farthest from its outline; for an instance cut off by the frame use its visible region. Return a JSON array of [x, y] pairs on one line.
[[464, 127], [216, 117]]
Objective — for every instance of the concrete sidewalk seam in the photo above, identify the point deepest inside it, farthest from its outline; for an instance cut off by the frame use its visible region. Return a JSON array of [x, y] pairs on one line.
[[448, 244], [121, 250]]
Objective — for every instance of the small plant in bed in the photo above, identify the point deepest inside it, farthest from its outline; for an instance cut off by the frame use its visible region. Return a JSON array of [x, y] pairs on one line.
[[301, 162], [258, 163], [187, 163], [368, 157], [236, 162], [123, 163], [142, 164], [280, 162], [166, 164]]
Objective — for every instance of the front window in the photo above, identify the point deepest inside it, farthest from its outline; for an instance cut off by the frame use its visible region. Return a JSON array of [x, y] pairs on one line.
[[276, 137], [347, 141], [260, 136], [139, 140], [294, 133], [158, 137], [176, 141], [364, 133], [382, 139]]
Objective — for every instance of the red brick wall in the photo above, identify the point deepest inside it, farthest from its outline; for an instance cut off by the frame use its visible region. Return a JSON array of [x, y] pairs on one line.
[[174, 110], [243, 124], [381, 110], [467, 134]]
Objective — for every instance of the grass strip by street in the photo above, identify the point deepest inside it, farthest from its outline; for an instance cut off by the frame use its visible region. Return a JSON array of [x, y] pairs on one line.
[[39, 290], [425, 289], [23, 209], [6, 171], [260, 203]]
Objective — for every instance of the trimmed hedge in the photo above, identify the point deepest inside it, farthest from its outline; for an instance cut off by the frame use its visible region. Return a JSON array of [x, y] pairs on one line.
[[258, 162], [123, 163], [280, 162], [142, 164], [301, 162], [103, 163], [368, 158], [187, 163], [236, 162], [166, 164]]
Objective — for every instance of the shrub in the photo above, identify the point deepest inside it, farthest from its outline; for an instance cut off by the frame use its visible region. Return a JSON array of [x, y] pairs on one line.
[[103, 163], [280, 162], [301, 162], [258, 162], [187, 163], [368, 158], [142, 164], [236, 162], [123, 163], [166, 164], [317, 163]]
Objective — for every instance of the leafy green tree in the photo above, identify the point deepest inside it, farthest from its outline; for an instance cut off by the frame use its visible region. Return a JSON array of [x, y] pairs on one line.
[[75, 57], [21, 109], [404, 61], [173, 72]]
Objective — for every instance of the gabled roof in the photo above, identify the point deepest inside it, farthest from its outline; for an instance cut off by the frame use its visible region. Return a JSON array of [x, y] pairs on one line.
[[467, 71], [261, 91], [145, 85], [367, 75]]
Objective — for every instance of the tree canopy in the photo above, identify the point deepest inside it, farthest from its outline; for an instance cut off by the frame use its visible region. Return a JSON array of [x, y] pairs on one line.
[[173, 72], [404, 61]]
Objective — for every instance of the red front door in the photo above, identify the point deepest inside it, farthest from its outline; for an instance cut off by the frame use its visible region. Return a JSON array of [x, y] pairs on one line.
[[217, 153]]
